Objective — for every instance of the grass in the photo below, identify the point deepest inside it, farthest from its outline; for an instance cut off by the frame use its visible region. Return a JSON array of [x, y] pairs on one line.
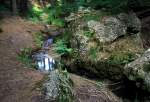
[[25, 57], [38, 39], [65, 93], [121, 58]]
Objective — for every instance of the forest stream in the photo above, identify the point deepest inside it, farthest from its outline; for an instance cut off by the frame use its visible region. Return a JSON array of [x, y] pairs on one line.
[[74, 51]]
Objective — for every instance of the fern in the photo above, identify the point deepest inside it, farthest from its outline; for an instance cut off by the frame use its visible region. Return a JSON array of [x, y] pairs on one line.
[[61, 47]]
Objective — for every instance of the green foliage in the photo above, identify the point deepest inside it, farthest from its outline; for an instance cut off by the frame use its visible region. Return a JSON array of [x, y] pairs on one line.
[[146, 67], [65, 91], [120, 58], [100, 84], [88, 33], [61, 47], [3, 8], [25, 57], [58, 22], [112, 5], [93, 53], [38, 39], [49, 15], [91, 17]]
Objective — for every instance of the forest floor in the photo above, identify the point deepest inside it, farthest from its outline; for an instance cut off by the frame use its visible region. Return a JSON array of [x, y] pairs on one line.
[[17, 83]]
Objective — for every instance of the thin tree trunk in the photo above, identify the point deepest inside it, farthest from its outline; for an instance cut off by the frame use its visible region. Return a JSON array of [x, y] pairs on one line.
[[14, 7]]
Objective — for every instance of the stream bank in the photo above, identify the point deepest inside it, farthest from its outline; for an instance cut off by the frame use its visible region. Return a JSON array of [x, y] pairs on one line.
[[99, 56]]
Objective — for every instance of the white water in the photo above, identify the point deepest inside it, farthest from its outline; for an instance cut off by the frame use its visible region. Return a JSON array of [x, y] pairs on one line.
[[44, 62]]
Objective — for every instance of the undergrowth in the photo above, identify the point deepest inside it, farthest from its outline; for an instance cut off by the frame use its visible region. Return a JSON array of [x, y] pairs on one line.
[[46, 15], [93, 53], [89, 33], [121, 58], [65, 87], [25, 57], [61, 47], [38, 39]]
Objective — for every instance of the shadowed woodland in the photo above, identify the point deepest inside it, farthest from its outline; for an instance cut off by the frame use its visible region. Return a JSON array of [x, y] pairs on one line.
[[74, 51]]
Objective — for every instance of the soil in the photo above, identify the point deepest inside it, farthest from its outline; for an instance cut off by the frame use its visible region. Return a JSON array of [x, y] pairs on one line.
[[86, 90], [17, 83]]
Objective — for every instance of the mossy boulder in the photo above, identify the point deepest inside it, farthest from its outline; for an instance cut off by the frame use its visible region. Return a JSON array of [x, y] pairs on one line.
[[103, 47], [139, 71]]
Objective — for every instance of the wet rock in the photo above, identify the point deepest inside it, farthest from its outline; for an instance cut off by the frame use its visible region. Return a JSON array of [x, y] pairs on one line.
[[139, 71]]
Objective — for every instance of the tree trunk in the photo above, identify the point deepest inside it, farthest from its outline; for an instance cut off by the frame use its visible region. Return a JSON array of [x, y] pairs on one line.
[[14, 7]]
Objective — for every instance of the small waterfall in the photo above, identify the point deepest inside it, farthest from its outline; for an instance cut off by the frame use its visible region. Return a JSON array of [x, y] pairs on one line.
[[44, 60]]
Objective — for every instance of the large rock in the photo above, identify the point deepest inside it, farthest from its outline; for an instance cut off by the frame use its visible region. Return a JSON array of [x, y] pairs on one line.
[[96, 46], [132, 22], [139, 70], [108, 29], [80, 43], [51, 87], [111, 29]]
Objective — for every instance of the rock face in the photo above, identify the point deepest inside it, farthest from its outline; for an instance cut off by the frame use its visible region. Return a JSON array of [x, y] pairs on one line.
[[108, 31], [139, 70], [132, 22], [85, 34], [113, 27], [97, 41]]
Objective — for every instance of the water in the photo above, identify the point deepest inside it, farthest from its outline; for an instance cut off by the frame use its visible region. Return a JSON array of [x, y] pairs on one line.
[[43, 60]]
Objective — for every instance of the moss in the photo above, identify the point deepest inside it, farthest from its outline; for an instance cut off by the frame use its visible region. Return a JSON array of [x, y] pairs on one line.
[[146, 67], [121, 58], [93, 53], [88, 33], [95, 15]]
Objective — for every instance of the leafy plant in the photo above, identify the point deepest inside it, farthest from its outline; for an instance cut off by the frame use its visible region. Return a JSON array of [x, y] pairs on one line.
[[25, 57], [93, 53], [58, 22], [47, 14], [38, 39], [121, 58], [100, 84], [88, 33], [65, 91], [61, 47], [3, 8]]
